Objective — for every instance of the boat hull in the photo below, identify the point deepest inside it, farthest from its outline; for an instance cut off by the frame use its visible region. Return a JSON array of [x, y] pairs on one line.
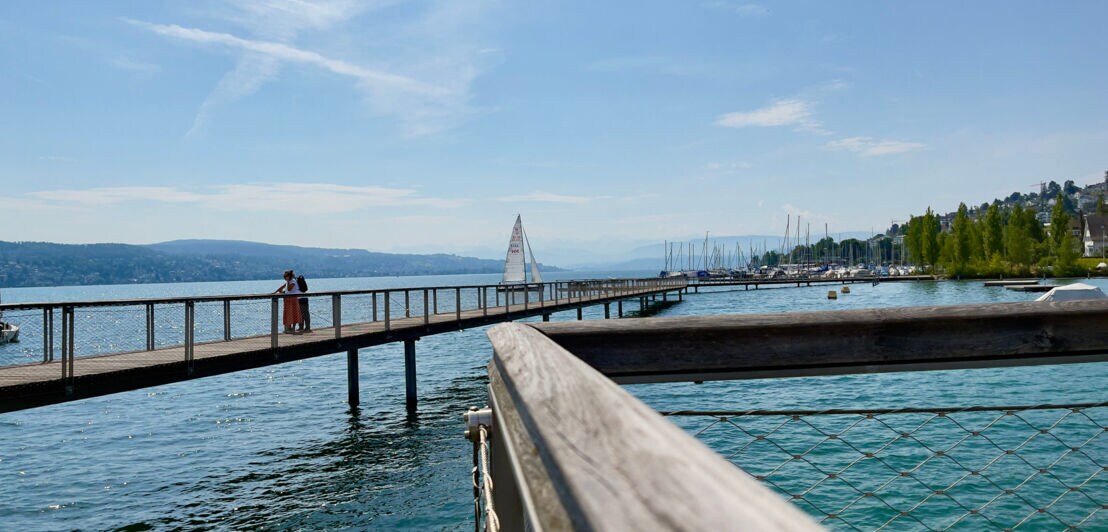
[[9, 333], [519, 288]]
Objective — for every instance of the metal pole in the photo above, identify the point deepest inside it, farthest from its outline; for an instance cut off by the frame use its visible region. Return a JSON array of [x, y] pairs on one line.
[[457, 305], [435, 299], [619, 308], [190, 331], [607, 311], [336, 314], [407, 305], [66, 334], [374, 294], [46, 340], [352, 395], [227, 320], [149, 326], [578, 313], [484, 301], [388, 320], [273, 325], [546, 317], [410, 375], [426, 311]]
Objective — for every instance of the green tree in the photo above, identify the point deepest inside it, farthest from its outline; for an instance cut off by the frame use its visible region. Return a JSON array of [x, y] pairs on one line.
[[961, 247], [929, 238], [993, 232], [913, 243], [1017, 237], [1101, 208], [1059, 226]]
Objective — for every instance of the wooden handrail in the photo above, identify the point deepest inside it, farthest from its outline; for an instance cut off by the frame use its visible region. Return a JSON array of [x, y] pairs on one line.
[[695, 348], [573, 451]]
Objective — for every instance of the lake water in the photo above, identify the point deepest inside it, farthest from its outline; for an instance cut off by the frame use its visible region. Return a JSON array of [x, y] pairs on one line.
[[278, 447]]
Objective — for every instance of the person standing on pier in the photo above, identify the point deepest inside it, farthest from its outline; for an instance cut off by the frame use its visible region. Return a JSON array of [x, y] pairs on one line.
[[291, 316], [305, 315]]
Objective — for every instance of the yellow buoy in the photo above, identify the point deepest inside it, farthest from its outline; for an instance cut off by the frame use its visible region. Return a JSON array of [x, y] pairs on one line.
[[832, 295], [846, 289]]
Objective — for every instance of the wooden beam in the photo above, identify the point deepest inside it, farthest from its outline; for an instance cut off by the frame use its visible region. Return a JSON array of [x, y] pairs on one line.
[[838, 342], [587, 455]]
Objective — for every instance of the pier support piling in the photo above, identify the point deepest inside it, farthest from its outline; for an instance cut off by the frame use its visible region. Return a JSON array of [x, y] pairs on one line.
[[410, 375], [579, 314], [607, 311], [619, 308], [352, 395], [546, 316]]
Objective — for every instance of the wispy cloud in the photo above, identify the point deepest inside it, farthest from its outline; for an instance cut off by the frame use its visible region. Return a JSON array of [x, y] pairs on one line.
[[741, 9], [868, 146], [302, 198], [547, 197], [791, 112], [425, 88]]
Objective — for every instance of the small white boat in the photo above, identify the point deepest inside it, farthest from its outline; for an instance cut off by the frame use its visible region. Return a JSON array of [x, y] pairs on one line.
[[8, 332], [515, 271], [1072, 292]]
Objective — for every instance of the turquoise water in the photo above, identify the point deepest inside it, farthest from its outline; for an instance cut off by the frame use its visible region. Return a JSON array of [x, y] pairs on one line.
[[278, 447]]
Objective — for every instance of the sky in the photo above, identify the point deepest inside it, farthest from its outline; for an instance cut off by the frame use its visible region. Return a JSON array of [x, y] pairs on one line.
[[427, 126]]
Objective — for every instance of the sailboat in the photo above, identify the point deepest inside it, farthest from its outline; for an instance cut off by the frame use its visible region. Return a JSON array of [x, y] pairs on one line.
[[515, 271], [8, 332]]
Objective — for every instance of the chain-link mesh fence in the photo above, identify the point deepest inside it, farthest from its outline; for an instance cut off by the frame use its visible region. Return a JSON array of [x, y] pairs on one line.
[[1025, 467]]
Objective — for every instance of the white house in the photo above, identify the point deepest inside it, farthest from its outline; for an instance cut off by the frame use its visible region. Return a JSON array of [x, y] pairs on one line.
[[1096, 234]]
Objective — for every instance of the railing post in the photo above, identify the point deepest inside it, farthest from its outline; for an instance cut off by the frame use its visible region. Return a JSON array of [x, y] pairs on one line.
[[484, 301], [426, 311], [336, 314], [407, 305], [149, 326], [67, 339], [374, 294], [190, 331], [273, 324], [457, 304], [47, 334], [226, 320], [435, 299], [388, 319]]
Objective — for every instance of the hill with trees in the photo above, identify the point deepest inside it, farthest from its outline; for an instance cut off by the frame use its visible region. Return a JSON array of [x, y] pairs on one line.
[[1022, 234], [48, 264]]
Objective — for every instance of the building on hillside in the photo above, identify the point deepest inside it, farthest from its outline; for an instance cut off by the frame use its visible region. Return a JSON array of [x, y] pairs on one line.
[[1096, 234]]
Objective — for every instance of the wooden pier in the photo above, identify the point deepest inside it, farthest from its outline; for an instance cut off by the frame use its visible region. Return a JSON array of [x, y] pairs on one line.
[[73, 377], [569, 449], [747, 282]]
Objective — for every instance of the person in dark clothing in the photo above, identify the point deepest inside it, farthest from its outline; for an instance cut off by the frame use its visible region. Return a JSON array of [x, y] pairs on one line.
[[305, 316]]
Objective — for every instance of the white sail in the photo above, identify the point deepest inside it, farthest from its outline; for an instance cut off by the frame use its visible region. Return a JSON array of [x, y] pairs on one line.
[[513, 264], [535, 277]]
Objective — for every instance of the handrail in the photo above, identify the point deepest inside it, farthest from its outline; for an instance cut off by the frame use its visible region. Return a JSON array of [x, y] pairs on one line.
[[246, 297], [574, 451], [696, 348]]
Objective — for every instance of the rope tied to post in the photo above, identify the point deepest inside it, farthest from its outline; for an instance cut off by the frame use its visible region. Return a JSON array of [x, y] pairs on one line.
[[492, 522]]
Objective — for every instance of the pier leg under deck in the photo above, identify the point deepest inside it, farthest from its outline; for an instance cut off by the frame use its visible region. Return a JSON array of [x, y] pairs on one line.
[[409, 375], [578, 313], [546, 317], [619, 308], [607, 310], [352, 377]]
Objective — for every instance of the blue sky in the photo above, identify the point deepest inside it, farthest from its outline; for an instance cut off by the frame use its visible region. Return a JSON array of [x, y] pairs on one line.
[[426, 126]]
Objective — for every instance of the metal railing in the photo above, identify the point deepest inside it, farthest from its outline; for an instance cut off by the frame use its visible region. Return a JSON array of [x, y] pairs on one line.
[[159, 330], [570, 449], [1039, 467]]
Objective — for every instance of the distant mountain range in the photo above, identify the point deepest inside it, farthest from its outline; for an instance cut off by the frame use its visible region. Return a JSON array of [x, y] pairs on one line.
[[48, 264]]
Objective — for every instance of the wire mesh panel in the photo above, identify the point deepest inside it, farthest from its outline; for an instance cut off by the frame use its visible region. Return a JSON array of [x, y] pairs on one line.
[[31, 344], [1027, 467], [116, 329]]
